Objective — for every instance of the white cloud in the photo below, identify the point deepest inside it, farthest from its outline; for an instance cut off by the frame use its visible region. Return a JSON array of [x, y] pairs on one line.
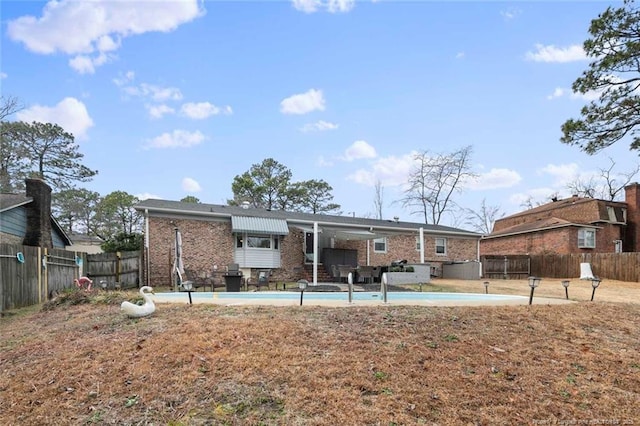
[[156, 93], [125, 78], [303, 103], [340, 6], [536, 196], [359, 150], [390, 171], [552, 53], [495, 178], [176, 139], [159, 111], [147, 196], [190, 185], [70, 114], [562, 173], [87, 65], [3, 75], [510, 14], [202, 110], [460, 55], [331, 6], [318, 126], [558, 92], [89, 30]]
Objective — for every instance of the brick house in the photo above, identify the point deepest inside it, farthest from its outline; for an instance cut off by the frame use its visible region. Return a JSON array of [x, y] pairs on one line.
[[572, 225], [288, 243]]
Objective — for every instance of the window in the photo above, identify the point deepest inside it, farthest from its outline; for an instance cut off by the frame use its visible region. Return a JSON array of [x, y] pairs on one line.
[[380, 245], [256, 241], [441, 246], [418, 244], [587, 238]]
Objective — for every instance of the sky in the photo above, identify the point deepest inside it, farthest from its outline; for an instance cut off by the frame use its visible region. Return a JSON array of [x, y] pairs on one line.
[[174, 98]]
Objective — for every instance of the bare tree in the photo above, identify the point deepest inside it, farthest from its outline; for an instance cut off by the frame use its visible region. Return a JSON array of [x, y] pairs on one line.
[[9, 105], [433, 182], [482, 220], [607, 186], [378, 199]]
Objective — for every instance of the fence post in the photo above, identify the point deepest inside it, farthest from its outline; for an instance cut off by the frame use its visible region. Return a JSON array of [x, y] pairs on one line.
[[504, 277], [118, 266], [43, 264]]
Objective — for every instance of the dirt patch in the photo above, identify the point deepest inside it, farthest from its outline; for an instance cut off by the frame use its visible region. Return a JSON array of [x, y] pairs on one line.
[[87, 363]]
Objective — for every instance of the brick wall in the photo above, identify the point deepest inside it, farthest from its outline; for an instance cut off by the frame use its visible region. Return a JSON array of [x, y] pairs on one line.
[[209, 243], [558, 241], [404, 247]]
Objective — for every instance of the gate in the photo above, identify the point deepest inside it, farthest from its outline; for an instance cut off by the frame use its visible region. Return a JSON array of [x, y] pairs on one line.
[[506, 267], [121, 269]]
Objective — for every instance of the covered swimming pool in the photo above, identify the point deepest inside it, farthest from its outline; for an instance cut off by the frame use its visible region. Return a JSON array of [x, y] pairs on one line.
[[360, 298]]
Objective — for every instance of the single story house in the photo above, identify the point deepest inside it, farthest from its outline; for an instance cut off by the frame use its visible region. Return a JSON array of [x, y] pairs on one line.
[[27, 220], [572, 225], [292, 245], [89, 244]]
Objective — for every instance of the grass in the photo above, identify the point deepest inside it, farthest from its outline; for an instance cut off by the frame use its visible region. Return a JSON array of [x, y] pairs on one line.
[[80, 361]]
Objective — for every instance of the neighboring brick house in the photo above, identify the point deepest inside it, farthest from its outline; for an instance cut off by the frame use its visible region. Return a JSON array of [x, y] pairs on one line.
[[217, 235], [572, 225], [26, 219]]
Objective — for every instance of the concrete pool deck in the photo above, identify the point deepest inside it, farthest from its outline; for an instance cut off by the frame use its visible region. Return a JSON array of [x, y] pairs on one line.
[[340, 299]]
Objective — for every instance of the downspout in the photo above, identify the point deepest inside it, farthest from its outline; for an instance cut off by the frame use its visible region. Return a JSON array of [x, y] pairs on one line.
[[368, 253], [421, 232], [315, 253]]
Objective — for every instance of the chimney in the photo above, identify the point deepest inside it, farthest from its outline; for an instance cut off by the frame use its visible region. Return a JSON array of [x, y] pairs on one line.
[[632, 198], [38, 214]]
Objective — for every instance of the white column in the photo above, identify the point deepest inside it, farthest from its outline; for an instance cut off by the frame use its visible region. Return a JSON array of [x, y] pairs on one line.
[[315, 253], [421, 233]]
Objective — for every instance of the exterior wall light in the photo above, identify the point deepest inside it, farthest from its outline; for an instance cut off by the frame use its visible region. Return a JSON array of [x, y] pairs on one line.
[[595, 282], [565, 284], [533, 283]]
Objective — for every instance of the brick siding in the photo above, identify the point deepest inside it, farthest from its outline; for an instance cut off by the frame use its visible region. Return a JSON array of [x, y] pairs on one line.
[[206, 243]]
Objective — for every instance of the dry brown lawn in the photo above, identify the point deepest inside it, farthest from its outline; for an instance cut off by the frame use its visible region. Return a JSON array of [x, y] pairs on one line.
[[86, 363]]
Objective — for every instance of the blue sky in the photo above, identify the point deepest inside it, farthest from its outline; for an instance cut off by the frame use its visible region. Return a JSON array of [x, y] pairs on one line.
[[169, 99]]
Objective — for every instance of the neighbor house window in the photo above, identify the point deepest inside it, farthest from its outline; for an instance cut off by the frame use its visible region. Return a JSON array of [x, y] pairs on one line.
[[418, 244], [586, 238], [380, 245], [441, 246]]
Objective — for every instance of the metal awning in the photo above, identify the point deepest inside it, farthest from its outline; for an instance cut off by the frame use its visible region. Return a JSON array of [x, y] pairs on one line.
[[259, 225]]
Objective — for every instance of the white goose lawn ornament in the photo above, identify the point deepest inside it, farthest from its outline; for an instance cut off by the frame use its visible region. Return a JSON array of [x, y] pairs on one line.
[[135, 311]]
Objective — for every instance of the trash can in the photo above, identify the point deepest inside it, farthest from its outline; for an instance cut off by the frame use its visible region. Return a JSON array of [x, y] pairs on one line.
[[233, 281]]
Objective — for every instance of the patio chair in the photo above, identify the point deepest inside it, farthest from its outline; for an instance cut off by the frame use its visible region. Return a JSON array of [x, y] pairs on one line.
[[263, 279], [198, 280], [365, 273], [344, 271]]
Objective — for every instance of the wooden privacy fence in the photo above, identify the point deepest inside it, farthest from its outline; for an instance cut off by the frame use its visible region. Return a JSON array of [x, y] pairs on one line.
[[31, 275], [613, 266], [120, 269], [506, 267]]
